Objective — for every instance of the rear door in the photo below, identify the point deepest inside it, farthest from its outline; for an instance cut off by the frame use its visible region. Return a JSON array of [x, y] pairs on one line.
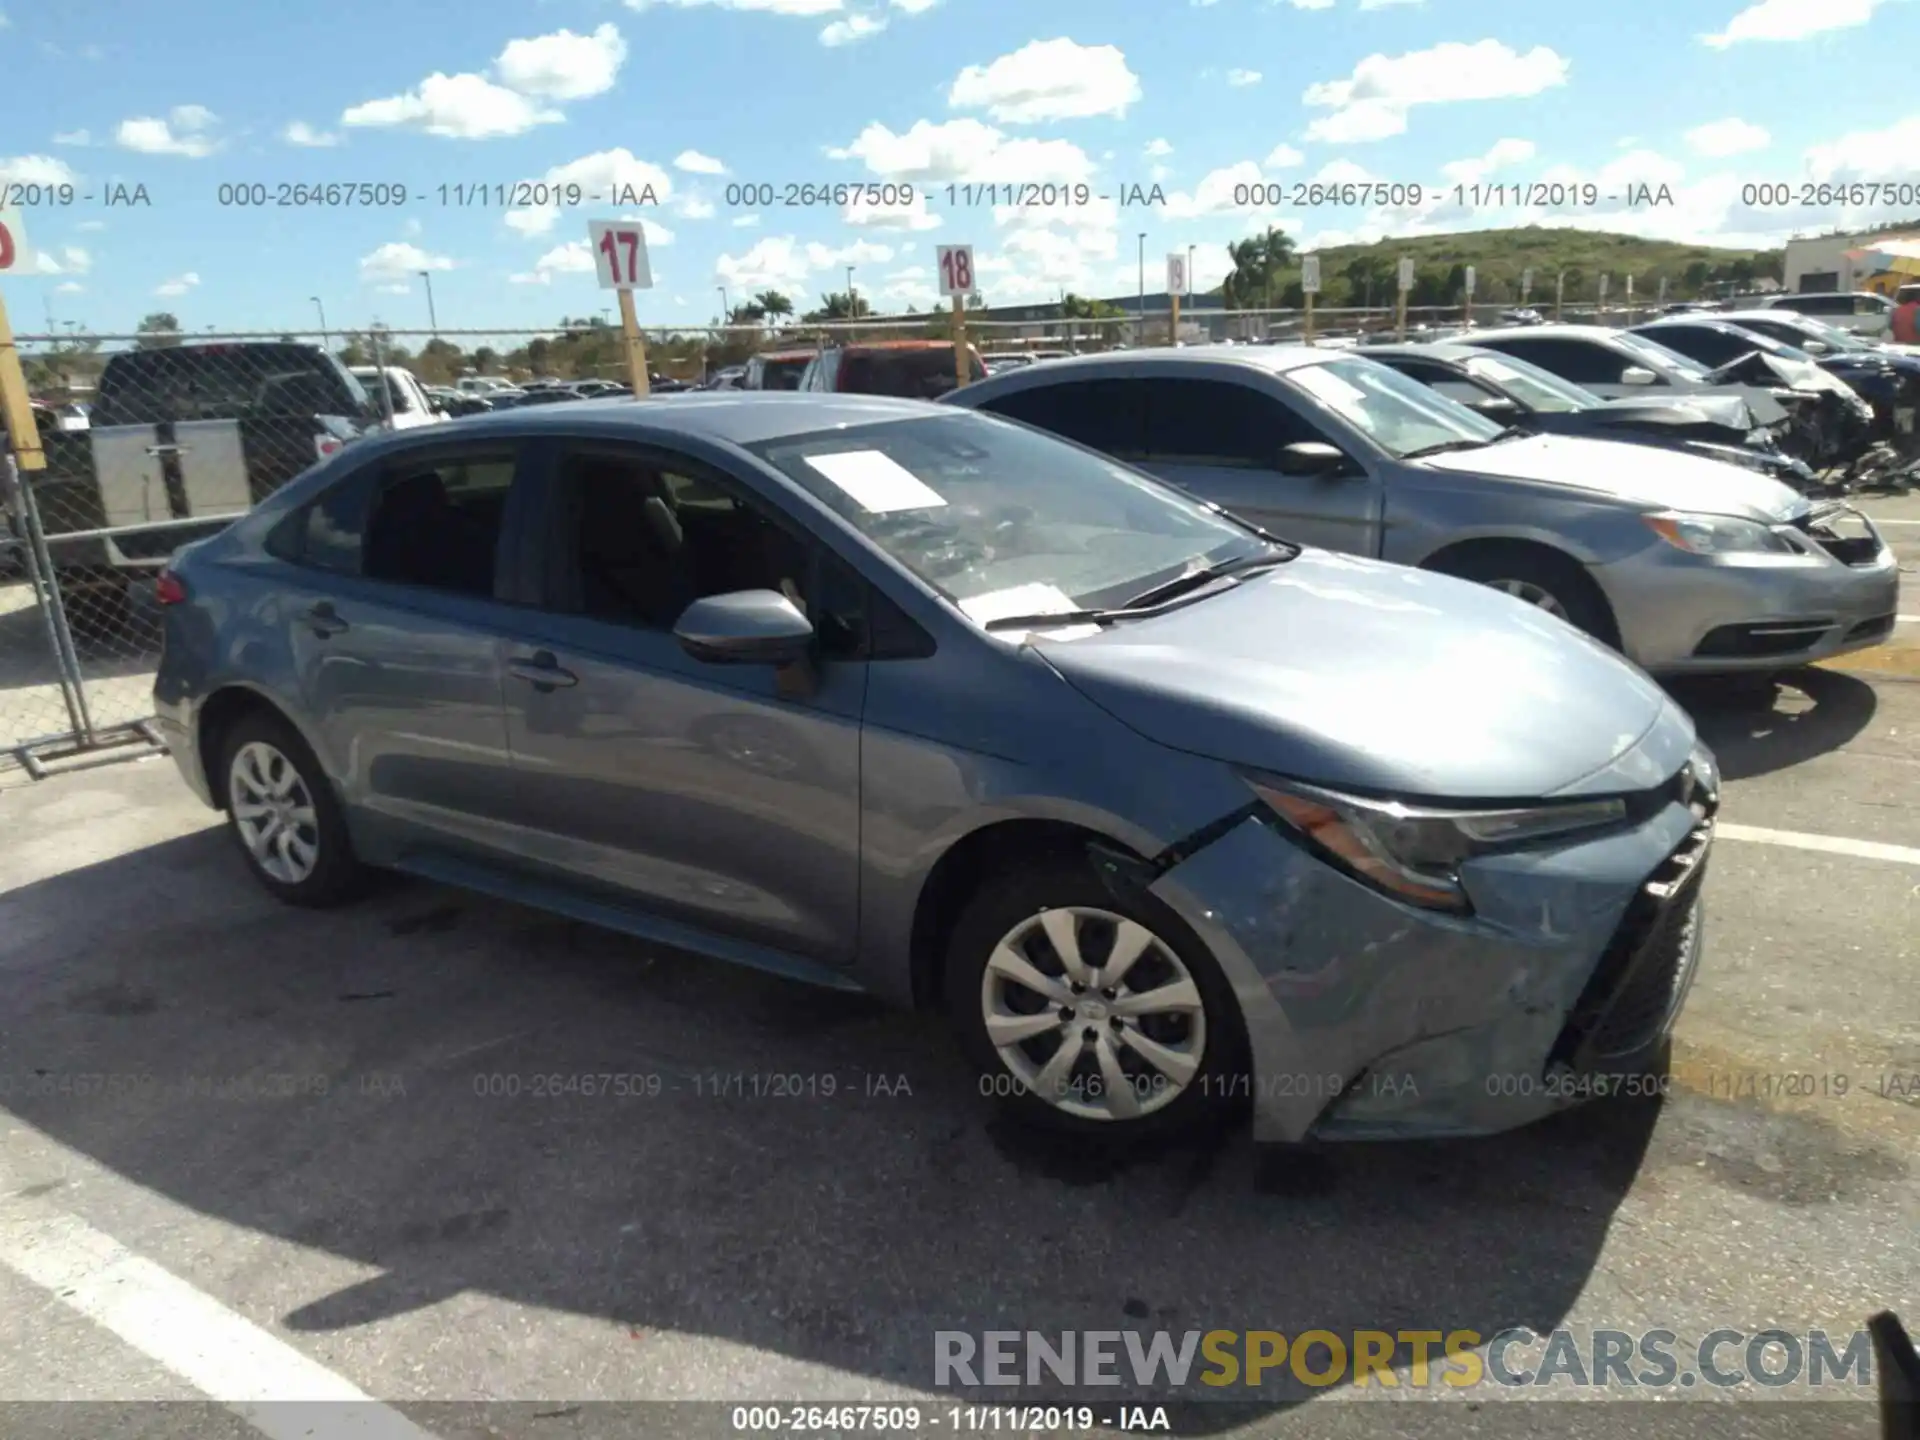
[[392, 595]]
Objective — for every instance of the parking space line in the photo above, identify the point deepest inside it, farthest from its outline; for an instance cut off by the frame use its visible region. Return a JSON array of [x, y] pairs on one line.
[[1827, 844], [268, 1383]]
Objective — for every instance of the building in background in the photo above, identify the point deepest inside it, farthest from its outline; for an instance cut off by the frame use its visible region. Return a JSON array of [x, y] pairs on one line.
[[1859, 261]]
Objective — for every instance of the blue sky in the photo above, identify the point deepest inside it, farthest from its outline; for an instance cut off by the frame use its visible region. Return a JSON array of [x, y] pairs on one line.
[[691, 96]]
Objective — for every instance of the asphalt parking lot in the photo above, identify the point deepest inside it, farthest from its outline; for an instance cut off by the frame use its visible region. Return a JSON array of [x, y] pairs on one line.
[[326, 1172]]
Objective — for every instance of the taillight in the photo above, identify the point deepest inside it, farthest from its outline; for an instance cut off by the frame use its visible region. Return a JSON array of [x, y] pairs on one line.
[[169, 589], [325, 445]]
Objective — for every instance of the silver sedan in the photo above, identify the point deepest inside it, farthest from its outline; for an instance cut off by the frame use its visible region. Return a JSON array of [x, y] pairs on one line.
[[1685, 564]]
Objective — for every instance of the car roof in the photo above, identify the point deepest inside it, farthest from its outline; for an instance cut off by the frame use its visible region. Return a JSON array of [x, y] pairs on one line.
[[1274, 359], [807, 354], [1444, 350], [895, 345], [1546, 332], [739, 417], [1733, 317]]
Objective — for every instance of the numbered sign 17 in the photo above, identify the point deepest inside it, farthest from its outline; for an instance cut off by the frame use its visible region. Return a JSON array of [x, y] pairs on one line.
[[956, 269], [620, 254]]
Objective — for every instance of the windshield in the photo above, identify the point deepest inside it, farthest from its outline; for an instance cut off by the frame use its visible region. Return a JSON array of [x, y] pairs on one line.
[[1832, 336], [1537, 389], [1659, 357], [1003, 520], [784, 373], [921, 373], [1399, 415]]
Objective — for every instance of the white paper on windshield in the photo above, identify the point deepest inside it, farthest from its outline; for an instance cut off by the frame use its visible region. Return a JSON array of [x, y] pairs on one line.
[[877, 482], [1027, 600], [1495, 369], [1323, 384]]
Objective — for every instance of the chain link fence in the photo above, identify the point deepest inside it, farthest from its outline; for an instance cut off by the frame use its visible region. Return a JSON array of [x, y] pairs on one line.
[[154, 439]]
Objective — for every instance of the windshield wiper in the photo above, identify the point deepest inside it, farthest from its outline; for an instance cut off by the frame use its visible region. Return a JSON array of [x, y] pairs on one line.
[[1200, 575], [1060, 619], [1444, 446]]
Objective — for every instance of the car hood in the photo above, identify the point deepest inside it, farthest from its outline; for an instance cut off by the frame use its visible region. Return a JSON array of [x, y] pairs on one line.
[[1681, 412], [1381, 679], [1656, 478]]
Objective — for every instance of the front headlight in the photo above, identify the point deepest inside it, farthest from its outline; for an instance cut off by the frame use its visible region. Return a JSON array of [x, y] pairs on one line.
[[1414, 853], [1715, 534]]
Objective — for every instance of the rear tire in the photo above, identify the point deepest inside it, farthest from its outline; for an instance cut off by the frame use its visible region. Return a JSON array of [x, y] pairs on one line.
[[284, 815], [1543, 578], [1158, 1046]]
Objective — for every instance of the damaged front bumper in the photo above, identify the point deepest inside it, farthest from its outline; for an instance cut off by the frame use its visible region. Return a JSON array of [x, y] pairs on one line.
[[1370, 1019]]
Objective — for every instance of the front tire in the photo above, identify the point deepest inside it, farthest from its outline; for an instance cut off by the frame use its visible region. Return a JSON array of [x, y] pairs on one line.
[[1092, 1013], [284, 816], [1542, 578]]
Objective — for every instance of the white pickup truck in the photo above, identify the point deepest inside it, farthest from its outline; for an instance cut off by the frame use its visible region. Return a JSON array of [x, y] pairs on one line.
[[411, 405]]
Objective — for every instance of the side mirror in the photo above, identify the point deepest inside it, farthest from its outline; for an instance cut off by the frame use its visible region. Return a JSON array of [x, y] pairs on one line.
[[1815, 347], [1496, 407], [746, 627], [1638, 375], [1310, 457]]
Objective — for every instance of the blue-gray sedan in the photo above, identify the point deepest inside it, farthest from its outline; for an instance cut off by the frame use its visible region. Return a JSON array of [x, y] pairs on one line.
[[1168, 815]]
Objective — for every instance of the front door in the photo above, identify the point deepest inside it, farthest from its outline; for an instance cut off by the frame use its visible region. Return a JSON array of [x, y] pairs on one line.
[[726, 796], [1222, 440]]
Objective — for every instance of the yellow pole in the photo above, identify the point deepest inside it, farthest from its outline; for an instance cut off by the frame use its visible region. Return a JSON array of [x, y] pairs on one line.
[[962, 372], [14, 401], [1173, 323], [636, 345], [1306, 333], [1400, 317]]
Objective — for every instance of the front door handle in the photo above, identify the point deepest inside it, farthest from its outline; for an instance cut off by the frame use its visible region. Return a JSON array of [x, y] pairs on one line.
[[542, 671], [323, 620]]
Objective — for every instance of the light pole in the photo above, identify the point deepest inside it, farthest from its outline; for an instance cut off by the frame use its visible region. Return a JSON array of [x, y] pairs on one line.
[[1140, 306], [433, 320], [325, 342], [726, 311], [853, 310]]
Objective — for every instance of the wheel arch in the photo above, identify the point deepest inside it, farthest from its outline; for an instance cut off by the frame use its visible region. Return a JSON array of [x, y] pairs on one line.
[[223, 708], [1461, 557]]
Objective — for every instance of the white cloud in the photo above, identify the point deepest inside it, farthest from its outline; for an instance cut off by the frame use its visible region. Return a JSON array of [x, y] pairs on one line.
[[183, 132], [303, 134], [394, 289], [1214, 195], [693, 207], [1311, 4], [5, 23], [1792, 20], [1282, 157], [411, 228], [1372, 103], [573, 258], [771, 7], [1867, 154], [563, 65], [964, 150], [69, 287], [694, 163], [745, 222], [1382, 4], [398, 260], [1343, 172], [37, 170], [915, 7], [1048, 80], [1157, 148], [912, 215], [857, 26], [1241, 78], [616, 176], [1503, 152], [775, 263], [178, 285], [72, 261], [457, 107], [73, 137], [91, 225], [1731, 136], [860, 252]]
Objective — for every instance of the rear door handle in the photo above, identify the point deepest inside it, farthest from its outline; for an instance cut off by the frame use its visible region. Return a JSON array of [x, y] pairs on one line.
[[323, 621], [542, 671]]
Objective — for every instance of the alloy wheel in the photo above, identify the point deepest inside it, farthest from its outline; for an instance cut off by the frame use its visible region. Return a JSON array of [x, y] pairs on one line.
[[1094, 1013], [1535, 595], [274, 812]]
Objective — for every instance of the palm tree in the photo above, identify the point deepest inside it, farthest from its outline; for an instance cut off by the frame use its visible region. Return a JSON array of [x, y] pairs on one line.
[[773, 305], [1258, 263]]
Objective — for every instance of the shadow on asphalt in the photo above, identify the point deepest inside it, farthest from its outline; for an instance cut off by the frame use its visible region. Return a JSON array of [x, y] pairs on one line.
[[400, 1084], [1757, 729]]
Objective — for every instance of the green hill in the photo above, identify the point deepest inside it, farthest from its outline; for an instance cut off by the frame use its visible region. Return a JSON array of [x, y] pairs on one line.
[[1364, 274]]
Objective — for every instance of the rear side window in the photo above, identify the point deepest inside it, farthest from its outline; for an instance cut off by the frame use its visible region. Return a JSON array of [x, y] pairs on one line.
[[1105, 415], [1822, 304], [436, 522], [226, 382], [1712, 347], [1569, 359]]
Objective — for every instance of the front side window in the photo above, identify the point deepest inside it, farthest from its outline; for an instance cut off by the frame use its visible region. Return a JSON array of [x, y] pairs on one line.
[[1219, 423], [1538, 389], [1105, 415], [436, 523], [1658, 358], [1001, 519]]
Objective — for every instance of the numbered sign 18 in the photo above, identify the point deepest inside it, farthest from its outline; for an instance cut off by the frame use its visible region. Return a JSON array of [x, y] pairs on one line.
[[620, 254], [15, 257], [956, 269]]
